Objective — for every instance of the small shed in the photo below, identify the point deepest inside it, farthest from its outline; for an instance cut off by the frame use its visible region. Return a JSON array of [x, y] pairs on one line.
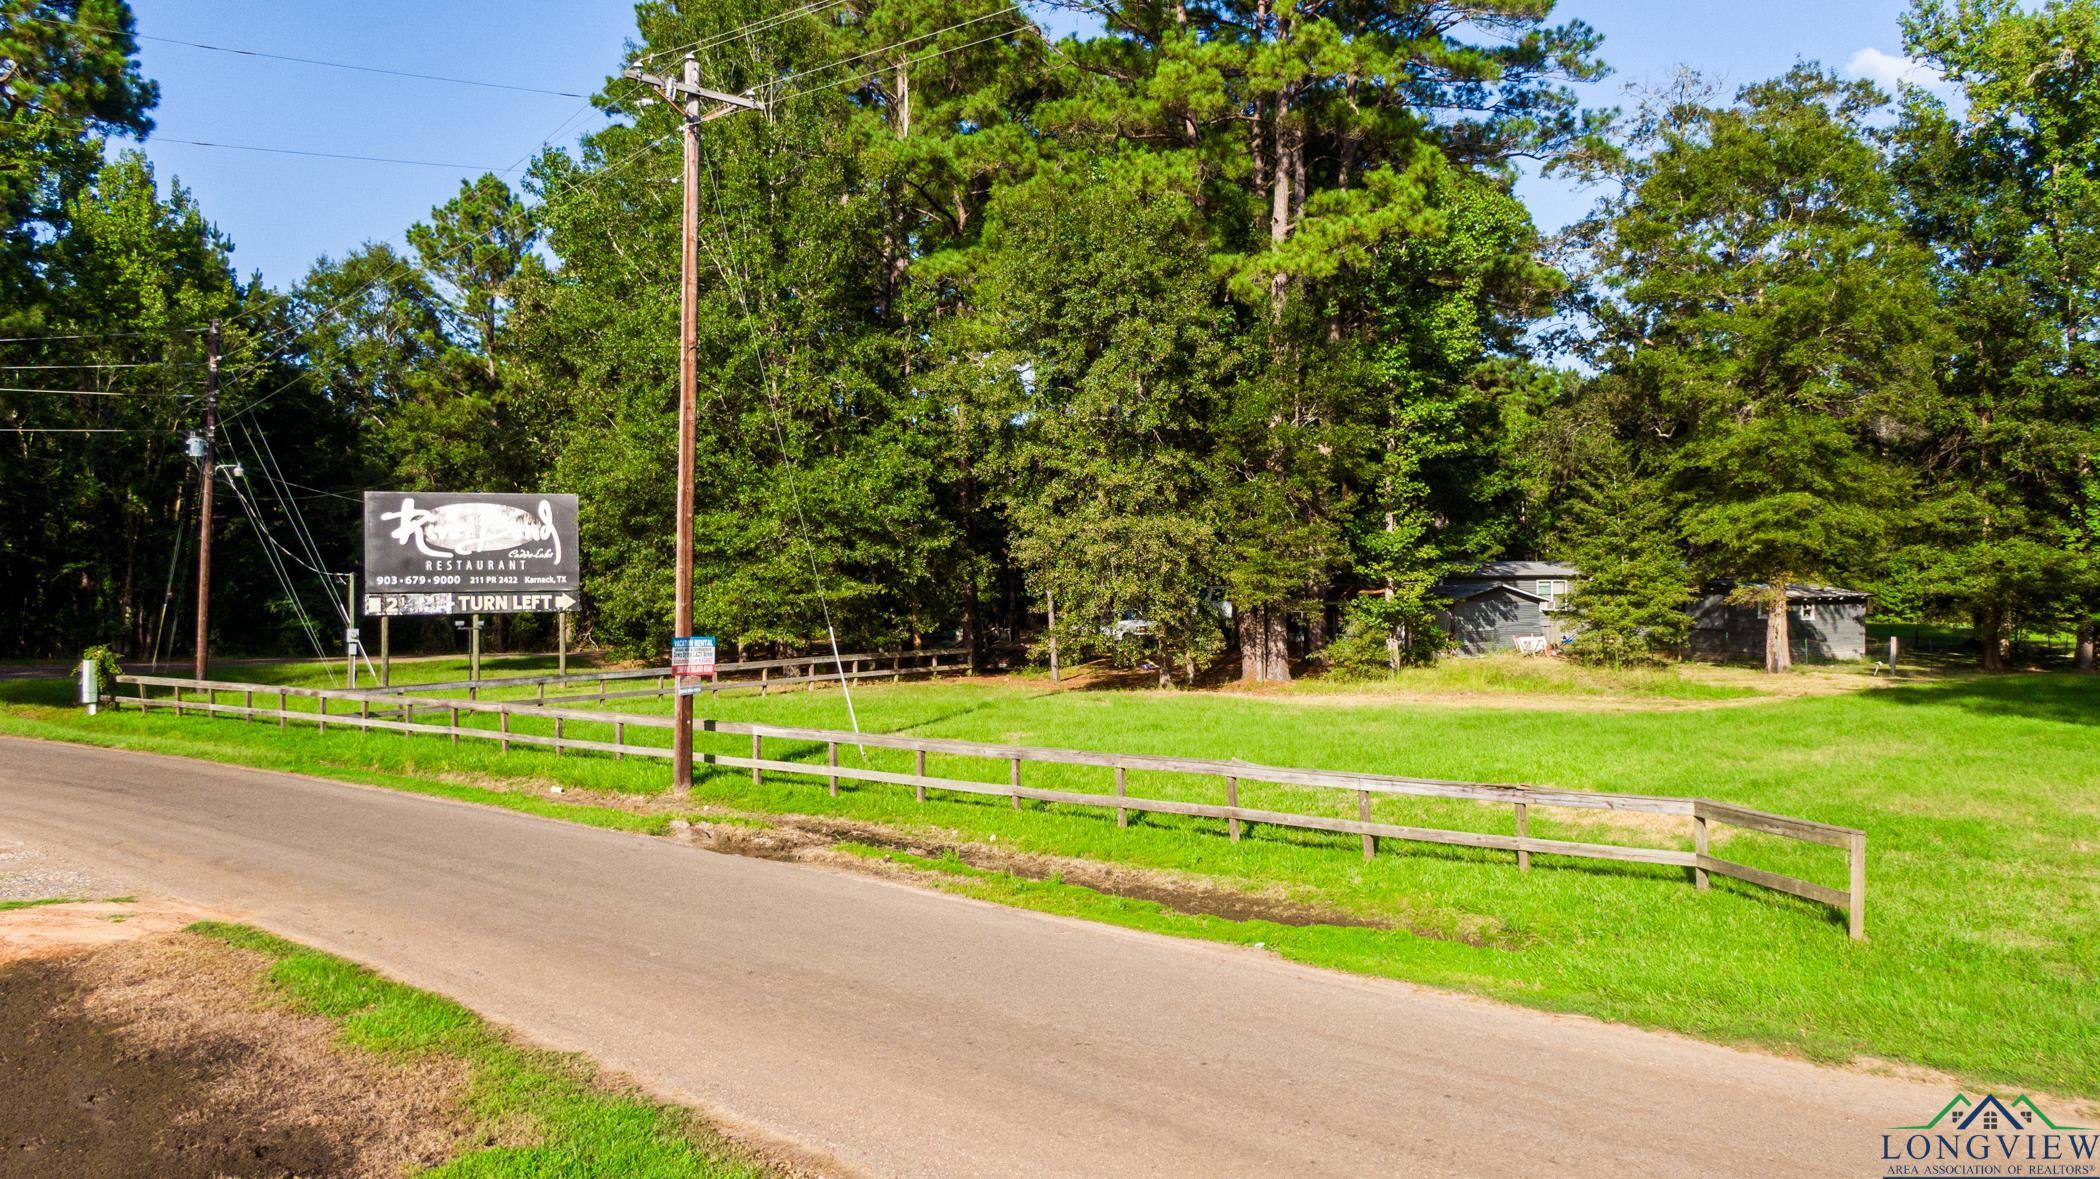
[[1499, 603], [1825, 623]]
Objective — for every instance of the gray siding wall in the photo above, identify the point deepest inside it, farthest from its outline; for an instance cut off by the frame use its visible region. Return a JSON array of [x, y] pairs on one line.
[[1493, 621], [1722, 631]]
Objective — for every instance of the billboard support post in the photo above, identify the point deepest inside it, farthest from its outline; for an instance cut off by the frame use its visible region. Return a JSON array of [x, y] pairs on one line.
[[350, 628]]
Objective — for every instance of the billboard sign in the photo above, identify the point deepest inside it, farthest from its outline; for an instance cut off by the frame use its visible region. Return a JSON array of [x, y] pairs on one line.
[[463, 553]]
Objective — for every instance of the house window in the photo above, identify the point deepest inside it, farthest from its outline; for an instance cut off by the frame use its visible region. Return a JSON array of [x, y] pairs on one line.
[[1808, 611], [1990, 1119], [1553, 592]]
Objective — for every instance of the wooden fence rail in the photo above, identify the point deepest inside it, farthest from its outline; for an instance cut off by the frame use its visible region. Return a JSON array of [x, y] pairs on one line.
[[1702, 812], [859, 665]]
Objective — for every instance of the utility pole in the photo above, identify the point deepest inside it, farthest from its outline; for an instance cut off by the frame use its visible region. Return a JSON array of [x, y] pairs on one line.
[[687, 95], [208, 468]]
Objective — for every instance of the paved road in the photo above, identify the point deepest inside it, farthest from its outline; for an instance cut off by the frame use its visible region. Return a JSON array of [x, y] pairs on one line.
[[892, 1031]]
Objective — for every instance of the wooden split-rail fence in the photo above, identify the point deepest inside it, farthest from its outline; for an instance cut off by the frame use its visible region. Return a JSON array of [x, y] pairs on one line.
[[810, 671], [398, 710]]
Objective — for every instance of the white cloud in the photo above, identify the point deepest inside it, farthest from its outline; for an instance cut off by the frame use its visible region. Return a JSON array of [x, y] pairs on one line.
[[1889, 71]]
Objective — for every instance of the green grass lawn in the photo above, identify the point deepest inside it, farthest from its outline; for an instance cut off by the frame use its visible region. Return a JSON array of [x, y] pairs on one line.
[[1980, 797], [574, 1126]]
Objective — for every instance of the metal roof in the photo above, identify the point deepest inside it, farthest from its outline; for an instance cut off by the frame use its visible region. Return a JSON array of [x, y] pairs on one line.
[[1501, 569], [1483, 591], [1798, 592]]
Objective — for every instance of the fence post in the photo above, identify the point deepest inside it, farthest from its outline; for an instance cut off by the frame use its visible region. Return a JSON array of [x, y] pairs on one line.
[[762, 680], [1013, 778], [1856, 904], [321, 719], [247, 707], [283, 707], [619, 738], [1699, 849], [178, 700], [1363, 811], [503, 719], [919, 767], [831, 758], [455, 724], [1122, 813], [557, 736], [1523, 833], [364, 710], [758, 747], [1232, 799], [543, 691]]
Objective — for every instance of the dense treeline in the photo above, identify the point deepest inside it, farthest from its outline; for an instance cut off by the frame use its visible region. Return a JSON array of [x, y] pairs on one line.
[[1226, 303]]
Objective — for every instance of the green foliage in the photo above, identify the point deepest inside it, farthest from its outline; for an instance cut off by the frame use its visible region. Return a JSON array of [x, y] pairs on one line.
[[1629, 605], [2007, 194], [107, 667], [1379, 637], [1102, 288], [1765, 325], [1233, 301]]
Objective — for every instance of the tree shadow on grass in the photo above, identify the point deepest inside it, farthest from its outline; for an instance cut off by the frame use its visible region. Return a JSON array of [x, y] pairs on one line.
[[2064, 697]]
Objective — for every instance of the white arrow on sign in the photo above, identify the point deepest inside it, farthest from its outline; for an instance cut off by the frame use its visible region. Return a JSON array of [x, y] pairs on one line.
[[564, 602]]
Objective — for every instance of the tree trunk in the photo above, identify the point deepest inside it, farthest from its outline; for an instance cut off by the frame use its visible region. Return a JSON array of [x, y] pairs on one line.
[[1316, 619], [1264, 645], [2085, 645], [1990, 631], [1052, 599], [1276, 668], [1779, 654], [1246, 620]]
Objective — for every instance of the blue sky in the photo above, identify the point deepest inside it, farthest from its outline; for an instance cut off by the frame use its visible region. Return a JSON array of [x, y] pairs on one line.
[[282, 211]]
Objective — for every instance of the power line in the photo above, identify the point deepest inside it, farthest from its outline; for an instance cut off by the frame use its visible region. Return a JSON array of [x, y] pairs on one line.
[[76, 124], [907, 61], [72, 430], [312, 61], [760, 25], [95, 392], [328, 155], [595, 178], [93, 335], [899, 44], [141, 364]]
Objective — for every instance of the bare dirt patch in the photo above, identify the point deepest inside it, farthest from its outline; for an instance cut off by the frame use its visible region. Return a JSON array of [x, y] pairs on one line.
[[158, 1056], [55, 930], [811, 839]]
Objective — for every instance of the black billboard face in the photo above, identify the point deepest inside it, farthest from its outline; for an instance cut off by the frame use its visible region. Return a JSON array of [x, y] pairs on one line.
[[459, 553]]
